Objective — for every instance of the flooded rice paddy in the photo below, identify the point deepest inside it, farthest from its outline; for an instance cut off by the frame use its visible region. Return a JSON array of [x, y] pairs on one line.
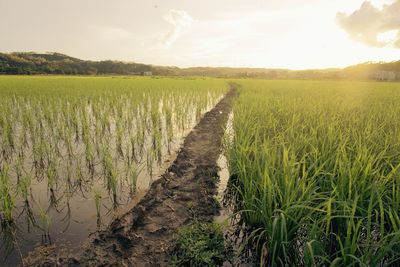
[[77, 151]]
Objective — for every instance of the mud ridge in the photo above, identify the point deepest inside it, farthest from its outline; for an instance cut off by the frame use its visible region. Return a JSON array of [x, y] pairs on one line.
[[143, 236]]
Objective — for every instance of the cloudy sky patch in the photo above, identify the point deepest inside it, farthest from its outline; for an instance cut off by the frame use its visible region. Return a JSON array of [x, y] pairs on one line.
[[179, 20], [373, 26], [294, 34]]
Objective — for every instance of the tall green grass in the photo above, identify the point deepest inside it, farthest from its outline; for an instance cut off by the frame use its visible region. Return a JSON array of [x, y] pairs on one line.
[[316, 171]]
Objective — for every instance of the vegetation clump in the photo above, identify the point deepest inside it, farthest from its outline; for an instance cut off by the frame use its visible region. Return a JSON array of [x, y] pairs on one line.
[[201, 244]]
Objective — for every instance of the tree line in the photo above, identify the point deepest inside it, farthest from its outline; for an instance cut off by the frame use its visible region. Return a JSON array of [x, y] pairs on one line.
[[56, 63]]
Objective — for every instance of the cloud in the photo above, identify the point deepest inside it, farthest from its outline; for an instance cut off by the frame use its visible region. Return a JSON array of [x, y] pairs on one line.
[[179, 20], [373, 26]]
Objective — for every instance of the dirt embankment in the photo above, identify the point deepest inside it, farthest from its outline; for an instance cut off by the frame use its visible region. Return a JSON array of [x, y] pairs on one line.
[[185, 193]]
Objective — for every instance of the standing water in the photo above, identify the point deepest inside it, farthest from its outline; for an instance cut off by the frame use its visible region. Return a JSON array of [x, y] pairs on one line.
[[69, 165]]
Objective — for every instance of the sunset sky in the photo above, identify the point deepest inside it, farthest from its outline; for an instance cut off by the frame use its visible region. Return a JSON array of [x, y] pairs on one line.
[[294, 34]]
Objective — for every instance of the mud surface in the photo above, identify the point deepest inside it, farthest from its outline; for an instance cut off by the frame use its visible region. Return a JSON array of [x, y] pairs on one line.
[[143, 236]]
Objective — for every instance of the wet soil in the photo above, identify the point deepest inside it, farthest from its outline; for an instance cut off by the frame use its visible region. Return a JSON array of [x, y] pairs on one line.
[[185, 193]]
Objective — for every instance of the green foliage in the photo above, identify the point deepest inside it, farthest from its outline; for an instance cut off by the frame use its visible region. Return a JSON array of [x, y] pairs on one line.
[[56, 63], [316, 171], [200, 244]]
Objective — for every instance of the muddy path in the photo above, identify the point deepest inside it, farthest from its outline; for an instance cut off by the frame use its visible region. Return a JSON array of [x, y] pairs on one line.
[[143, 236]]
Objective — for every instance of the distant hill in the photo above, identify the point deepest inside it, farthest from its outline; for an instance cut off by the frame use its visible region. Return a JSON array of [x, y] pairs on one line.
[[56, 63]]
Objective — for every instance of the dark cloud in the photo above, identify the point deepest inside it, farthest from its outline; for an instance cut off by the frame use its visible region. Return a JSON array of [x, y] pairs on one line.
[[368, 23]]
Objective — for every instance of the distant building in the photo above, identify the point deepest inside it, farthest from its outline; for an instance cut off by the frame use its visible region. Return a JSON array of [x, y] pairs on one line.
[[147, 73], [384, 75]]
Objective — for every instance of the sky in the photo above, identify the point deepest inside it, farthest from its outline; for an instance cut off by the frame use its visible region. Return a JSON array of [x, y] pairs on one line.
[[295, 34]]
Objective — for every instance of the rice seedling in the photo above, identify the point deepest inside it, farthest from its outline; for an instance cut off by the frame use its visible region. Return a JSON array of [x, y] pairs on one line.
[[150, 163], [169, 128], [6, 196], [97, 201], [45, 222], [7, 221], [133, 176], [110, 175], [61, 137]]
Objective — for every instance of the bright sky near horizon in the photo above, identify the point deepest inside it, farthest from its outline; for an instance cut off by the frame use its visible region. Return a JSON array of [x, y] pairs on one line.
[[296, 34]]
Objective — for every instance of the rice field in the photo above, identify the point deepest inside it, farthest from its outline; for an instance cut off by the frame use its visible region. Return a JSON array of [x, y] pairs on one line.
[[314, 165], [315, 171], [75, 149]]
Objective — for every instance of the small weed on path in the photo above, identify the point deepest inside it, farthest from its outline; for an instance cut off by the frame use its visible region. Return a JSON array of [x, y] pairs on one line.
[[200, 244]]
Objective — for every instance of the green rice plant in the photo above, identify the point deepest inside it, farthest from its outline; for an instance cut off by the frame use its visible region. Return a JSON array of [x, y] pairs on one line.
[[133, 149], [45, 222], [51, 174], [89, 155], [315, 171], [140, 138], [150, 162], [97, 201], [6, 196], [169, 128], [19, 168], [24, 186], [156, 145], [119, 134], [134, 173], [110, 175]]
